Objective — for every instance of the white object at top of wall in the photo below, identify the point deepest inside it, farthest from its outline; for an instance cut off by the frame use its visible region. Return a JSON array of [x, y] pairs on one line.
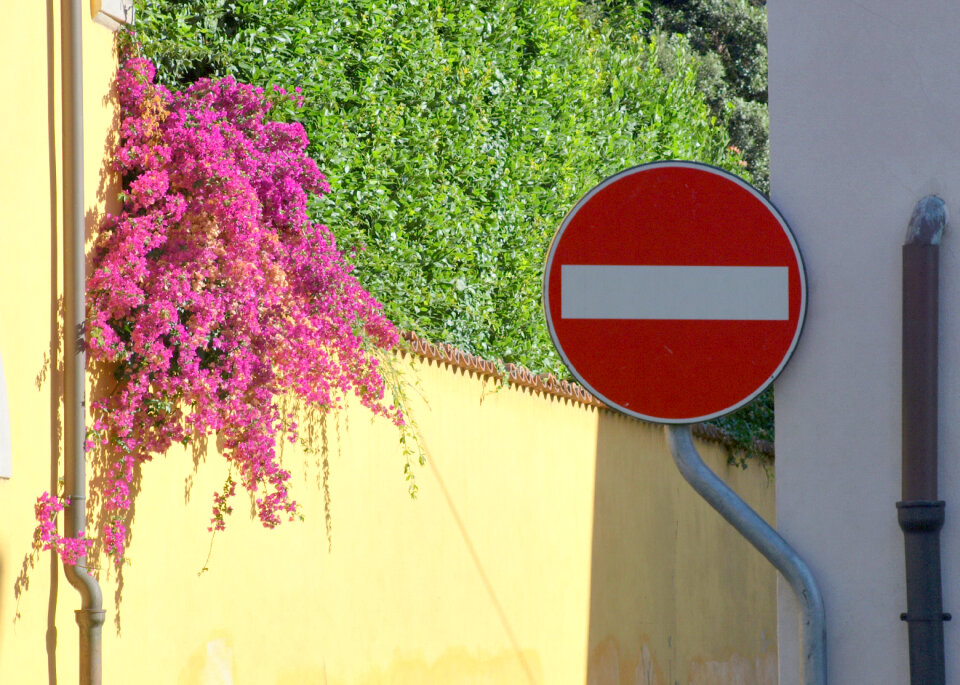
[[6, 460], [112, 13]]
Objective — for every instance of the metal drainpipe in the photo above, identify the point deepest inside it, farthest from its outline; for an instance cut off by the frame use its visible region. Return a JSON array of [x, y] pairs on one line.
[[91, 615], [921, 514]]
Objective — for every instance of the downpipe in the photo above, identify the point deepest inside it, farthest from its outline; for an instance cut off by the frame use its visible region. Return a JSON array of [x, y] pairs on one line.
[[90, 616], [768, 542], [920, 513]]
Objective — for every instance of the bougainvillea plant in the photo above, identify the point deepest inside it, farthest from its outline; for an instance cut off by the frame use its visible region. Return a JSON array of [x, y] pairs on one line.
[[212, 296]]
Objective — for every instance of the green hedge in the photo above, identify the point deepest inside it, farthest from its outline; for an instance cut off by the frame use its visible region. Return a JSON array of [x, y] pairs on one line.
[[456, 135]]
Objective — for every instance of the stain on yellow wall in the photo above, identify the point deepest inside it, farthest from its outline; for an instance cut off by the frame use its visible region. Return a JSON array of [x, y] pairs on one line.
[[460, 666], [608, 666], [210, 664], [737, 670]]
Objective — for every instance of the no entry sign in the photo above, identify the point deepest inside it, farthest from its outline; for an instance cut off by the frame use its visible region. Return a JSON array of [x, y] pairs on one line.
[[674, 292]]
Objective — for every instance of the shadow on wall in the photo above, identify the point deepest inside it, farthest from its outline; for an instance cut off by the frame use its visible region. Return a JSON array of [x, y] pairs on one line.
[[100, 377], [50, 375], [49, 378], [676, 596], [55, 365], [315, 445], [527, 660]]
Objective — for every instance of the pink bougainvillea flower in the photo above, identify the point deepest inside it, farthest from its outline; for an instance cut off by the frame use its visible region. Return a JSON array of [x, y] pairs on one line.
[[212, 294]]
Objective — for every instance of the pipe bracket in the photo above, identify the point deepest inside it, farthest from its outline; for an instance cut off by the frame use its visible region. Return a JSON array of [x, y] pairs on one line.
[[921, 515], [926, 618]]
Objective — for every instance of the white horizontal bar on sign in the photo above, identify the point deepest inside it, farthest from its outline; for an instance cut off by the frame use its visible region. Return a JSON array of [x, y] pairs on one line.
[[755, 293]]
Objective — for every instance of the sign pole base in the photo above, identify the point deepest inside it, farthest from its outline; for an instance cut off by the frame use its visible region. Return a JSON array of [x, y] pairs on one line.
[[767, 541]]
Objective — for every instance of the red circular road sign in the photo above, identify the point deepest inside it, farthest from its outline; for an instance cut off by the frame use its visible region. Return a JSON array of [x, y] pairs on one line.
[[674, 292]]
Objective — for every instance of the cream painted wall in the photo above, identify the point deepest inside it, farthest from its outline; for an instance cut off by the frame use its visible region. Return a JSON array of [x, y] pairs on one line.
[[863, 123]]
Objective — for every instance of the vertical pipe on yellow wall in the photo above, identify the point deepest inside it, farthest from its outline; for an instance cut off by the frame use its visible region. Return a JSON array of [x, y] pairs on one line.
[[91, 615]]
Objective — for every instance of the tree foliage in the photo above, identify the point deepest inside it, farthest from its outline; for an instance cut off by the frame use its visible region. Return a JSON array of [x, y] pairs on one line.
[[729, 38], [455, 135]]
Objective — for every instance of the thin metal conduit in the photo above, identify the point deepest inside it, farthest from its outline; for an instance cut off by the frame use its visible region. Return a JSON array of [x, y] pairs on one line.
[[760, 534], [90, 616]]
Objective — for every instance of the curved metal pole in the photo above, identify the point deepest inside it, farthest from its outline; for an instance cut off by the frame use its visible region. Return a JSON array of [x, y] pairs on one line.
[[813, 634]]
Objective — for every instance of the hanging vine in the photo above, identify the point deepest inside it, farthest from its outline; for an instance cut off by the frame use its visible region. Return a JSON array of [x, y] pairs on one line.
[[212, 295]]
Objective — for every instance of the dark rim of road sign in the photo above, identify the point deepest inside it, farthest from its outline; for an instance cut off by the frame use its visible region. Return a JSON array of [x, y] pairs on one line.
[[718, 172]]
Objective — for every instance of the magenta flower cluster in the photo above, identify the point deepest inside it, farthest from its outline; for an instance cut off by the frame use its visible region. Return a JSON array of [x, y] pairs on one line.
[[212, 295], [71, 550]]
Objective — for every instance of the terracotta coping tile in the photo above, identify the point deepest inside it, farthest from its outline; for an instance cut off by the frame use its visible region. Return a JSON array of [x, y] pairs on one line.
[[547, 384]]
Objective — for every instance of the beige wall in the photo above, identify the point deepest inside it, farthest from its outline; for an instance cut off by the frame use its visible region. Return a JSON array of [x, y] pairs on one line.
[[863, 122], [551, 542]]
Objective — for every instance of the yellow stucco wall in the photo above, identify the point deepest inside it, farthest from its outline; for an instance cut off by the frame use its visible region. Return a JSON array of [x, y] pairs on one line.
[[30, 239], [550, 543]]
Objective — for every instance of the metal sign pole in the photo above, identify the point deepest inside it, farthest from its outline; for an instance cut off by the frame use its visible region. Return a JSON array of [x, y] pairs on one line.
[[651, 262], [768, 542]]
